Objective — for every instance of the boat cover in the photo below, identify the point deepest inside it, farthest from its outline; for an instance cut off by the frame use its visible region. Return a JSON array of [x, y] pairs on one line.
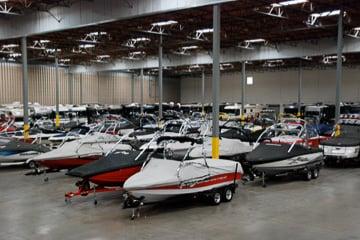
[[17, 146], [114, 161], [268, 152], [349, 136]]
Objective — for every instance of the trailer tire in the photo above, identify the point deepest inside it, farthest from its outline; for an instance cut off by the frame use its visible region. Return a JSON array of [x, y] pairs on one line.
[[315, 173], [32, 164], [228, 194], [215, 198], [307, 175]]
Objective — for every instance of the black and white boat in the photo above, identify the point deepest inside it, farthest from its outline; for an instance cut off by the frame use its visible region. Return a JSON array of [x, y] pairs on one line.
[[345, 142], [281, 158]]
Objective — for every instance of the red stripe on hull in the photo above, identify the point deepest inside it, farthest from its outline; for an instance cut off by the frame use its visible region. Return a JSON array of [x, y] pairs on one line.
[[67, 163], [114, 178], [226, 177]]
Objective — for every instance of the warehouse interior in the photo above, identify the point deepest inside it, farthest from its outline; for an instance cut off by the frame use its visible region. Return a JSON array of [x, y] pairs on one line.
[[123, 118]]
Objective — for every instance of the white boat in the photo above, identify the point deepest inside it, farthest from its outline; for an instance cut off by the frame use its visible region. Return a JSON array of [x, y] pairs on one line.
[[161, 179], [76, 153]]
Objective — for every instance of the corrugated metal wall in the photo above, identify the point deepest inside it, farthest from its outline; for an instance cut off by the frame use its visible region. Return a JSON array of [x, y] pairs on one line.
[[105, 88], [10, 82]]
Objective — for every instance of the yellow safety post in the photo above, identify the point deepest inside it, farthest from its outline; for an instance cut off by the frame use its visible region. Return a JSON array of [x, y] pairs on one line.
[[57, 121], [215, 148], [337, 130], [26, 131]]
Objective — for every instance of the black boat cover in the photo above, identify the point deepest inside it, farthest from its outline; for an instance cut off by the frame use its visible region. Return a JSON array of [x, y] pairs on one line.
[[244, 135], [114, 161], [269, 152], [349, 136], [342, 142], [18, 146]]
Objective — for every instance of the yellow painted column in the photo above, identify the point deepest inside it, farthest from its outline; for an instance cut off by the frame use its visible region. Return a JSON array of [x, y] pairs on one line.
[[26, 131], [215, 148], [57, 121]]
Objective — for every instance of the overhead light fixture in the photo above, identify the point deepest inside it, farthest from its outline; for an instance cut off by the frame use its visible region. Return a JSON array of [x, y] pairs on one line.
[[10, 45], [97, 34], [200, 34], [14, 55], [354, 32], [39, 44], [314, 17], [132, 42], [225, 66], [8, 48], [64, 60], [185, 50], [205, 30], [289, 3], [332, 59], [274, 63], [52, 50], [249, 44], [103, 56], [164, 23], [85, 46]]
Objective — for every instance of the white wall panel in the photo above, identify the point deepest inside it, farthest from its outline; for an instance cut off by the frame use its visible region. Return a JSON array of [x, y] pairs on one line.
[[277, 87]]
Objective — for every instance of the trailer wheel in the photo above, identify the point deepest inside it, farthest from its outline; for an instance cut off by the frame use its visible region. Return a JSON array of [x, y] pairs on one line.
[[32, 164], [215, 198], [228, 194], [307, 175], [315, 173]]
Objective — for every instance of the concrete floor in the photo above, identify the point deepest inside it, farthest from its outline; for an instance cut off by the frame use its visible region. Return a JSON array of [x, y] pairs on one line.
[[327, 208]]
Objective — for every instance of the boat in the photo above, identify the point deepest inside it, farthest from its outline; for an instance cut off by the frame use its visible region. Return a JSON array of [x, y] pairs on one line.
[[15, 152], [161, 179], [345, 142], [282, 157], [76, 153]]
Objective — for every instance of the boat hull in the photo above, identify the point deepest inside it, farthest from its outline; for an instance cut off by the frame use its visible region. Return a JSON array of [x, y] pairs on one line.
[[295, 164], [67, 163], [161, 193], [114, 178]]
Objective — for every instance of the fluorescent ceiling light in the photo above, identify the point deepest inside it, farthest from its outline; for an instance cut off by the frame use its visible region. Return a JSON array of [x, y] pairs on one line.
[[44, 41], [103, 56], [64, 60], [289, 3], [190, 47], [96, 33], [255, 40], [14, 55], [137, 53], [86, 46], [326, 14], [164, 23], [10, 45], [205, 30], [141, 39]]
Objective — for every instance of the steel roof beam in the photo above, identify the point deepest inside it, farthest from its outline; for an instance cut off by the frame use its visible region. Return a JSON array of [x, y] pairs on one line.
[[289, 50], [87, 13]]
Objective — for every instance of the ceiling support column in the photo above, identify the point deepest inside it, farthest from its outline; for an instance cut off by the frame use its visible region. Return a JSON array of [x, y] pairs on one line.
[[25, 87], [132, 88], [299, 100], [160, 78], [243, 85], [142, 91], [203, 91], [340, 46], [57, 93], [215, 81]]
